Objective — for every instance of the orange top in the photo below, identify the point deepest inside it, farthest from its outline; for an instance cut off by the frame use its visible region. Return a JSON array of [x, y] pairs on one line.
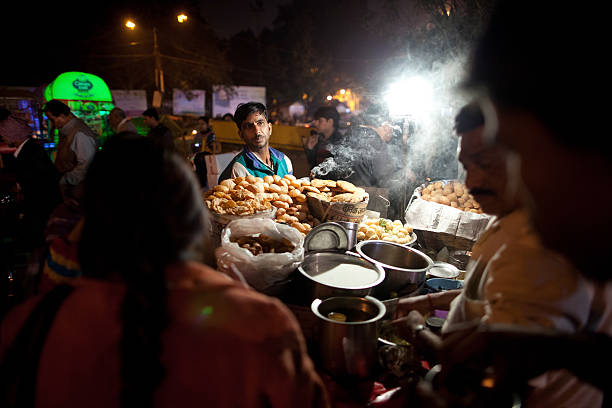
[[225, 346]]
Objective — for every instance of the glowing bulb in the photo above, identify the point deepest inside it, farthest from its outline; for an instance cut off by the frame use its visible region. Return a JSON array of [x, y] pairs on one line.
[[329, 97], [193, 132], [130, 24], [181, 18], [342, 91]]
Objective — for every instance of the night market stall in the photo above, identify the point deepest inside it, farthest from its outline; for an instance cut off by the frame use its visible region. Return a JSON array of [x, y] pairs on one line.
[[342, 269]]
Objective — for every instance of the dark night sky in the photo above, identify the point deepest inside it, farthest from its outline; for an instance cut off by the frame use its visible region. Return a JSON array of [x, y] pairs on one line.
[[230, 16], [41, 40], [39, 37]]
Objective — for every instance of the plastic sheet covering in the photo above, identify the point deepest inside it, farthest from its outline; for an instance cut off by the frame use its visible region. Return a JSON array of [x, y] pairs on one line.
[[263, 270]]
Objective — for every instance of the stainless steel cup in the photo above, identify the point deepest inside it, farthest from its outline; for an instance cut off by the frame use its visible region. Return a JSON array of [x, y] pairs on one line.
[[351, 230], [348, 348]]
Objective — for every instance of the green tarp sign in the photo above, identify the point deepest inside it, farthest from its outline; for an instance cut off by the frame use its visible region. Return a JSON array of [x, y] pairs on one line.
[[78, 86]]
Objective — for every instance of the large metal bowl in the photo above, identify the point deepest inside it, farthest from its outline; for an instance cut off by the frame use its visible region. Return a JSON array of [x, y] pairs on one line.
[[316, 263], [404, 266]]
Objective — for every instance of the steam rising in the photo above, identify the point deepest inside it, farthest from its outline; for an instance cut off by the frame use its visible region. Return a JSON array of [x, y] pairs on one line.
[[431, 149]]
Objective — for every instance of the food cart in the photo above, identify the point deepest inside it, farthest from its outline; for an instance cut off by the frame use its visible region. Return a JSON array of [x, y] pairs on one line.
[[243, 209], [88, 97]]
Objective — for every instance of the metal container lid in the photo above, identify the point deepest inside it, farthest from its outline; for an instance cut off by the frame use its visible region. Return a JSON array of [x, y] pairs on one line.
[[434, 323], [443, 270], [329, 236]]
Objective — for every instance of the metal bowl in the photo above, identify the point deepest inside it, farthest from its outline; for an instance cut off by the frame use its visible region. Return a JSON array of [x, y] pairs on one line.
[[403, 265], [317, 263]]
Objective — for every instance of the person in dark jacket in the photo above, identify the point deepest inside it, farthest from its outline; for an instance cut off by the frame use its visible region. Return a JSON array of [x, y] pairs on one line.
[[321, 143], [35, 174], [160, 134]]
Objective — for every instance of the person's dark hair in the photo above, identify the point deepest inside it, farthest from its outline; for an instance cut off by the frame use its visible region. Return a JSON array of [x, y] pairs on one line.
[[119, 112], [152, 113], [204, 118], [545, 72], [228, 116], [375, 115], [56, 108], [245, 109], [327, 112], [140, 216], [470, 117]]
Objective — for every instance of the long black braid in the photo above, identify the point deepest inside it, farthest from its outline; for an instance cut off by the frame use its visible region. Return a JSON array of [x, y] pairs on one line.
[[143, 212]]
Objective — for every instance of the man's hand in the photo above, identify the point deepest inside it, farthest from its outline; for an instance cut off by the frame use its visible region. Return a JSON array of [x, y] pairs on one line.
[[310, 141], [426, 304], [421, 304]]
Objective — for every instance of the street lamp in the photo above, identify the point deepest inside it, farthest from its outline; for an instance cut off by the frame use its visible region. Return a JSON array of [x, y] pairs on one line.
[[159, 73]]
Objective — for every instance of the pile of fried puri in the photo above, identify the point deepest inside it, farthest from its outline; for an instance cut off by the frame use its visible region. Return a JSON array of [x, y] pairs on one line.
[[250, 195]]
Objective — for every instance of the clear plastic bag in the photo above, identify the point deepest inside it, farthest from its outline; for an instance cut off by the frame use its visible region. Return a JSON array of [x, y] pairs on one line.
[[263, 270]]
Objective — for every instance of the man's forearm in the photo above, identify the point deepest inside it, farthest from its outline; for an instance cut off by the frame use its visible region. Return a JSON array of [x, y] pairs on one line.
[[442, 300]]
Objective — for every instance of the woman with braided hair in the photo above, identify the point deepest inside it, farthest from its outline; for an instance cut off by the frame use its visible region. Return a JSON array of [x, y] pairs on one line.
[[148, 325]]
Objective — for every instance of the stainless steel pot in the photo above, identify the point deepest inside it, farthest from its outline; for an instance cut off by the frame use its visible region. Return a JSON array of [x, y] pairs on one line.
[[317, 263], [404, 266], [348, 348]]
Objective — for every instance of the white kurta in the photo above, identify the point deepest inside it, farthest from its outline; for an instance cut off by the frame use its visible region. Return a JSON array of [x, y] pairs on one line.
[[512, 279]]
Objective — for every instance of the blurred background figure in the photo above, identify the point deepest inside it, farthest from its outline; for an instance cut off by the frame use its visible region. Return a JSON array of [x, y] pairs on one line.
[[119, 122], [320, 143], [160, 134], [34, 177], [35, 174], [203, 145], [76, 148]]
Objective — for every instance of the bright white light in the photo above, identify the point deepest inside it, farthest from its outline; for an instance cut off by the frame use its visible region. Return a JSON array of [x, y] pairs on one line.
[[197, 145], [412, 96], [130, 24], [193, 132], [342, 91], [329, 97]]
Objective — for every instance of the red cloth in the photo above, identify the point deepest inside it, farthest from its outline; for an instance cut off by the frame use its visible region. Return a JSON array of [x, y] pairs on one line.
[[226, 346]]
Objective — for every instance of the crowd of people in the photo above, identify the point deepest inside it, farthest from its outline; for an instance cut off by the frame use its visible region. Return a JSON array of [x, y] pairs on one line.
[[143, 322]]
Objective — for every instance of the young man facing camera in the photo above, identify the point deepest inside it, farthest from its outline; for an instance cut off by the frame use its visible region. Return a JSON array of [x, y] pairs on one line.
[[257, 158]]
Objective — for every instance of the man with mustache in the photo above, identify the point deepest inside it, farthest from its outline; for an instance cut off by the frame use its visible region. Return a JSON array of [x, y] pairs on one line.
[[519, 70], [257, 158], [511, 278]]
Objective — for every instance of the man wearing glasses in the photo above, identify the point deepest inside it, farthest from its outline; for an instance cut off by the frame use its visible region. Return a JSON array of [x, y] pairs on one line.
[[257, 158]]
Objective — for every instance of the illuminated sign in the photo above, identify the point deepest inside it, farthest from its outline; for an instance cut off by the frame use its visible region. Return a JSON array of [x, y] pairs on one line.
[[78, 86]]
